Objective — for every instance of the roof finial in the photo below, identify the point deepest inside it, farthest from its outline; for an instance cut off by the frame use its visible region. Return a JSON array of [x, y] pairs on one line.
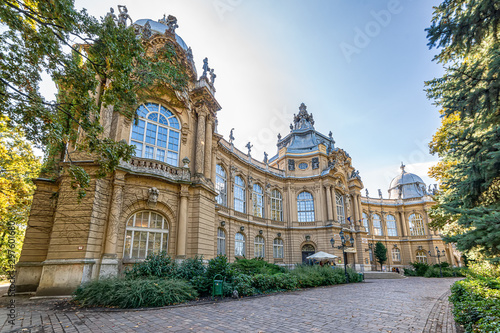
[[402, 167]]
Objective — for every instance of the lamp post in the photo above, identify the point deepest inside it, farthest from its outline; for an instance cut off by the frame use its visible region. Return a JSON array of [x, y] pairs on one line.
[[343, 247], [439, 260], [370, 250]]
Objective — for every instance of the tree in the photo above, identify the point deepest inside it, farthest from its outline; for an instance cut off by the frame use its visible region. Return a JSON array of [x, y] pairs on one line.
[[380, 253], [18, 165], [95, 64], [468, 204]]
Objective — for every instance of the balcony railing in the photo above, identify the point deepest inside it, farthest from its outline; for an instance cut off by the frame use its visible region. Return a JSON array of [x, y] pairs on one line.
[[153, 167]]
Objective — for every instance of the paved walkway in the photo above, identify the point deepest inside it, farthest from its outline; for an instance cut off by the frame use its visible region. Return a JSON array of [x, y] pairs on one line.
[[405, 305]]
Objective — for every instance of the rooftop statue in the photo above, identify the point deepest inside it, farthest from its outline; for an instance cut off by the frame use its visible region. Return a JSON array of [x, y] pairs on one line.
[[146, 31], [123, 16], [205, 67], [366, 191], [231, 137], [212, 76], [265, 158], [111, 14], [249, 146]]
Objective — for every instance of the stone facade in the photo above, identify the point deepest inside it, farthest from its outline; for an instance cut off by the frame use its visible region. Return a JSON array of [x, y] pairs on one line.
[[191, 193]]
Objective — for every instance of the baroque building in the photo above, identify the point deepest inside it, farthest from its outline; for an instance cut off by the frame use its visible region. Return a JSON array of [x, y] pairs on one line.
[[190, 192]]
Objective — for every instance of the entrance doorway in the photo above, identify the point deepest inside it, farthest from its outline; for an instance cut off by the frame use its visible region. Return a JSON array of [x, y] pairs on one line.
[[307, 250]]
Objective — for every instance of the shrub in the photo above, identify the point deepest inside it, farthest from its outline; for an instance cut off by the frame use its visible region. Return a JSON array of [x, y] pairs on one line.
[[444, 264], [476, 303], [256, 266], [191, 268], [420, 268], [410, 272], [314, 276], [203, 283], [156, 265], [434, 272], [134, 293], [243, 284]]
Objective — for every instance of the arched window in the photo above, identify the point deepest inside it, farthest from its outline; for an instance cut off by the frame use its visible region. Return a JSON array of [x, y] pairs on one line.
[[392, 230], [278, 248], [276, 206], [156, 134], [396, 255], [239, 244], [377, 225], [258, 201], [416, 225], [365, 223], [305, 207], [259, 246], [339, 200], [221, 185], [421, 256], [146, 233], [221, 242], [239, 195]]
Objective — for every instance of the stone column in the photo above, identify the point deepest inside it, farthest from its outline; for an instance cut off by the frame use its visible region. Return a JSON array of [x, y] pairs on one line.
[[109, 263], [427, 229], [329, 211], [355, 207], [208, 149], [404, 228], [200, 143], [334, 204], [214, 166], [182, 222]]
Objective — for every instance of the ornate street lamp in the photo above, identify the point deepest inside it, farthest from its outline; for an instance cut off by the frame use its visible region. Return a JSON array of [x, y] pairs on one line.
[[439, 260], [343, 247]]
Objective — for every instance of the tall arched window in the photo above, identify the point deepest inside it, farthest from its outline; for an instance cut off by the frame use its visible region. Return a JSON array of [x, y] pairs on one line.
[[156, 134], [259, 246], [239, 195], [377, 225], [276, 206], [365, 223], [221, 185], [146, 233], [392, 230], [396, 255], [305, 207], [278, 248], [258, 200], [221, 242], [339, 200], [421, 256], [416, 225], [239, 244]]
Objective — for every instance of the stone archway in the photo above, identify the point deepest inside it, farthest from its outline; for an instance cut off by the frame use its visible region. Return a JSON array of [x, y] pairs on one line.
[[307, 250]]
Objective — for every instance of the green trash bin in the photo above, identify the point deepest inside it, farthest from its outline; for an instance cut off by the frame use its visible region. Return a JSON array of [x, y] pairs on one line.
[[361, 277], [218, 287]]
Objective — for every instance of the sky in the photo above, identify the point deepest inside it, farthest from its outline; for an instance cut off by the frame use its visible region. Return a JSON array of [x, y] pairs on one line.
[[358, 65]]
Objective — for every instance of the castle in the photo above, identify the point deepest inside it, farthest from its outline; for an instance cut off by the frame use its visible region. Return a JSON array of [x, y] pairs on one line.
[[189, 191]]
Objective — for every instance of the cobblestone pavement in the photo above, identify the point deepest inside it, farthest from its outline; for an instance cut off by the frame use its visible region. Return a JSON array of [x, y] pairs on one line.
[[403, 305]]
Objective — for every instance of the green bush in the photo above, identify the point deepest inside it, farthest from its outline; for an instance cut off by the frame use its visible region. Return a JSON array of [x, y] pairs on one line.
[[134, 293], [243, 284], [256, 266], [444, 264], [410, 272], [420, 268], [203, 283], [476, 303], [434, 272], [314, 276], [156, 265], [190, 268]]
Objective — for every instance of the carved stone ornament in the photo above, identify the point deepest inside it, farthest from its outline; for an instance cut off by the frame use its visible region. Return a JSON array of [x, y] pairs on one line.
[[153, 194], [123, 16], [186, 162], [146, 31], [315, 163], [291, 165]]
